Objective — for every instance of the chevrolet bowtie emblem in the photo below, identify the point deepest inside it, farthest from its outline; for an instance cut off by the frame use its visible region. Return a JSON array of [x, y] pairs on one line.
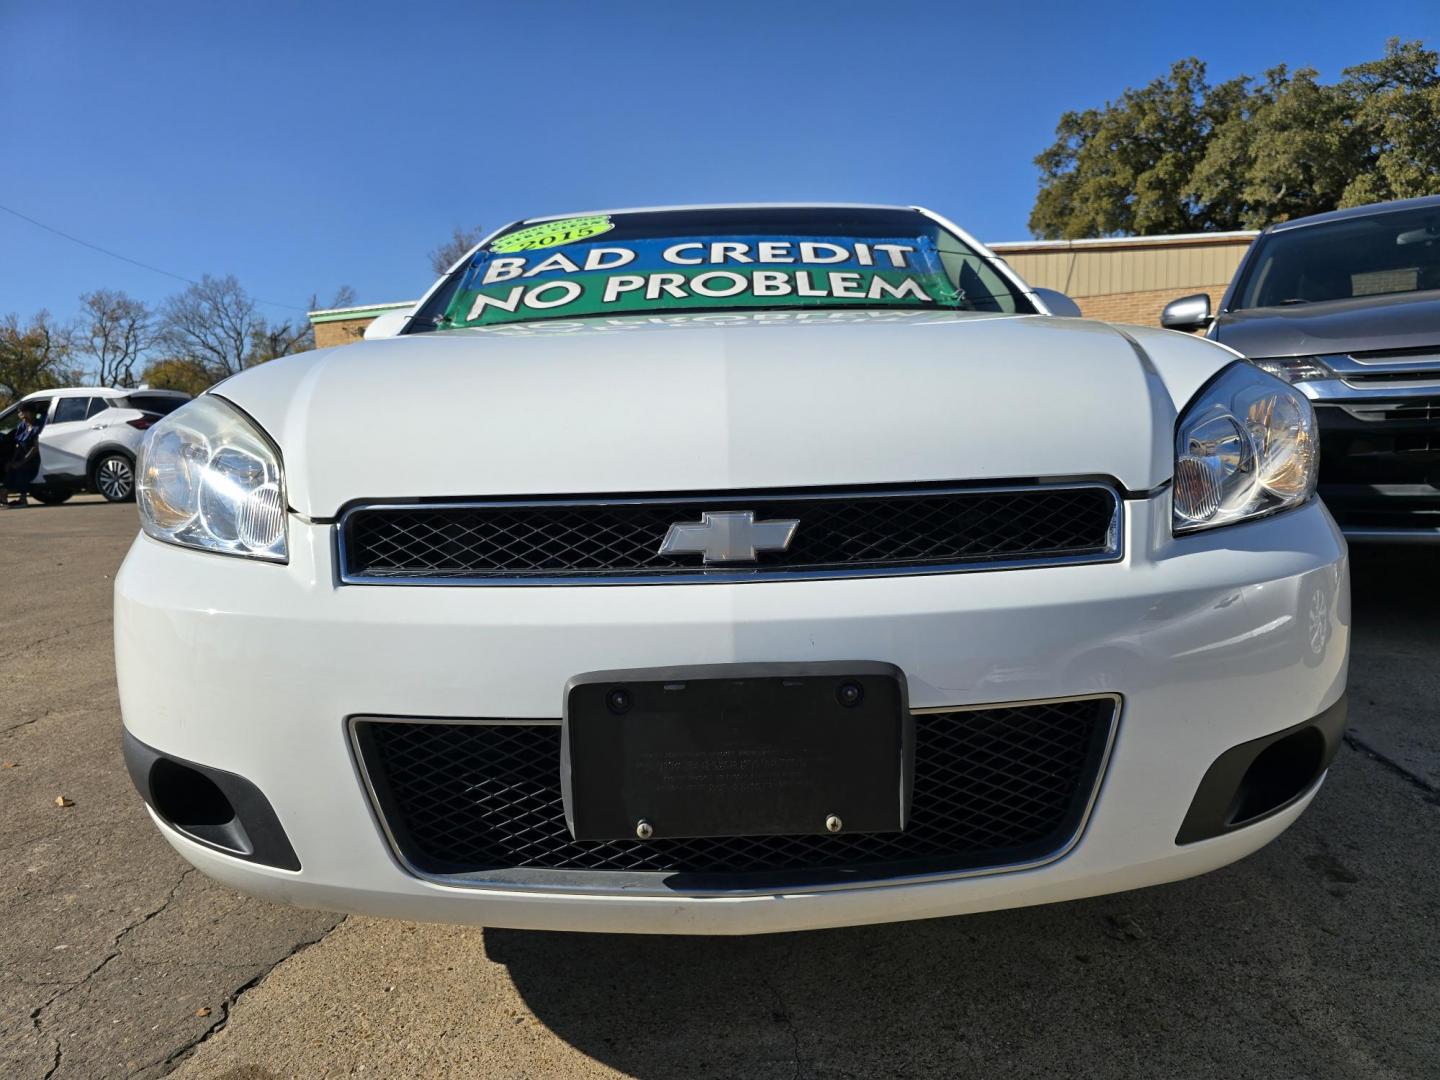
[[730, 536]]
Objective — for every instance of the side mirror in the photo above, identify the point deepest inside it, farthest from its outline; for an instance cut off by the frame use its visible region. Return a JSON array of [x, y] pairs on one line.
[[388, 325], [1188, 313], [1057, 303]]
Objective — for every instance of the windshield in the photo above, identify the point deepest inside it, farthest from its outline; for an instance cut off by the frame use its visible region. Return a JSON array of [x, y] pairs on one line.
[[1395, 252], [675, 261]]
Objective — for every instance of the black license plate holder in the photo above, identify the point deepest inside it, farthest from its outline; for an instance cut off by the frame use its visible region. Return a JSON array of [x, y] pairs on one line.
[[737, 750]]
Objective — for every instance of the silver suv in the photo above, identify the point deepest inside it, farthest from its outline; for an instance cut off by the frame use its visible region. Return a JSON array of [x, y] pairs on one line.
[[1346, 306], [89, 437]]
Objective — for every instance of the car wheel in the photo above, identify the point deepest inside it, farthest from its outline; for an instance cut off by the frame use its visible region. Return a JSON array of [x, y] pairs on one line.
[[114, 477], [50, 496]]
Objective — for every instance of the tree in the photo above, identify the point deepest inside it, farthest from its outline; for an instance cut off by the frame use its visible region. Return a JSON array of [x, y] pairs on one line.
[[114, 331], [1396, 104], [212, 323], [176, 373], [1181, 155], [33, 356], [216, 326], [450, 252], [274, 340]]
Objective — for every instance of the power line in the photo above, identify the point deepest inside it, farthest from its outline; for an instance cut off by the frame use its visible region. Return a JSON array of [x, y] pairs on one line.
[[126, 258]]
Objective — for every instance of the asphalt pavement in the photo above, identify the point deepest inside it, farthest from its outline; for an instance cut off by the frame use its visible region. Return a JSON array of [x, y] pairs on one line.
[[1317, 957]]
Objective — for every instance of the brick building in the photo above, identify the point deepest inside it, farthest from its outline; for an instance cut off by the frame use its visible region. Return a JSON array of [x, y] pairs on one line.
[[340, 326], [1123, 279], [1129, 279]]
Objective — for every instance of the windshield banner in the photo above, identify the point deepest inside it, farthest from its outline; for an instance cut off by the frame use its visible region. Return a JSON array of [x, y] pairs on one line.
[[703, 272]]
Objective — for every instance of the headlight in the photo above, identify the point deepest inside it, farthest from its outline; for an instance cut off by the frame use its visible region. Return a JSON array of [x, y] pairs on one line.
[[210, 479], [1295, 369], [1246, 446]]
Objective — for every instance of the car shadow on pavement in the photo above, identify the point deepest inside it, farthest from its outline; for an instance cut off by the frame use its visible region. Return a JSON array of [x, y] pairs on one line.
[[1300, 960]]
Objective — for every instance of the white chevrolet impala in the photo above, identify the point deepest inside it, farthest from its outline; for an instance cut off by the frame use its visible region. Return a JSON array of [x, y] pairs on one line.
[[729, 570]]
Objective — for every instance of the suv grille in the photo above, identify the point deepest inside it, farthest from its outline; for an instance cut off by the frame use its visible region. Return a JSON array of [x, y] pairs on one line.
[[993, 787], [867, 532]]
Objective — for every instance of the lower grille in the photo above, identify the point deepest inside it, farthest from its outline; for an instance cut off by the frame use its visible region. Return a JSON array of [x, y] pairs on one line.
[[993, 787], [1403, 411]]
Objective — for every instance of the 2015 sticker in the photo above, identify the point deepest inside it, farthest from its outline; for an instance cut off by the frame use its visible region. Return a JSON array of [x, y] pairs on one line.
[[553, 233]]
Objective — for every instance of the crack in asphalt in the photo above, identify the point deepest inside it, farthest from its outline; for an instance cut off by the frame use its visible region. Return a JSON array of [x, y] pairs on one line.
[[34, 643], [1415, 779], [781, 1015], [173, 1059], [37, 1014], [27, 723]]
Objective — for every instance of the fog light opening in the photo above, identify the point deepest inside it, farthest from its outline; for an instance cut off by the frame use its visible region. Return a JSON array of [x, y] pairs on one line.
[[1281, 772], [190, 801]]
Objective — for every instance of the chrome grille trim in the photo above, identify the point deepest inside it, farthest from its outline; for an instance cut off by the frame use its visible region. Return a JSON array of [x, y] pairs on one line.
[[1405, 372], [1112, 550]]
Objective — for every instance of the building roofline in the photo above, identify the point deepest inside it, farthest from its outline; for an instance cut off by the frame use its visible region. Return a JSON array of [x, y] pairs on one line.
[[1169, 240], [364, 311]]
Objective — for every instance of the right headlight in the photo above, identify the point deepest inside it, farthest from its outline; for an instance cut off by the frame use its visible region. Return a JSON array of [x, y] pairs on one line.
[[210, 479], [1245, 447], [1294, 369]]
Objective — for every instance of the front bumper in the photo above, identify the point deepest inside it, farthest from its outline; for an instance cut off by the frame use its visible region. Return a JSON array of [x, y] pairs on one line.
[[1211, 641]]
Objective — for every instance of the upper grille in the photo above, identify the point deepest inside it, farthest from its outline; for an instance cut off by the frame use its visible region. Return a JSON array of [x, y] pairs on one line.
[[865, 532], [992, 787], [1397, 368]]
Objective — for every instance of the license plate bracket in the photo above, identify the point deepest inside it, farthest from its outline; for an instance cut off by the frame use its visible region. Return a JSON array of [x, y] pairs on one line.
[[737, 750]]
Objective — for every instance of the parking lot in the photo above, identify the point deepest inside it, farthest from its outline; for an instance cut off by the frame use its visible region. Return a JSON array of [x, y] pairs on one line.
[[1316, 957]]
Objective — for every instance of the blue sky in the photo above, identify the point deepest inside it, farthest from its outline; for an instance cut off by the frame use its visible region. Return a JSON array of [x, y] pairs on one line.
[[306, 146]]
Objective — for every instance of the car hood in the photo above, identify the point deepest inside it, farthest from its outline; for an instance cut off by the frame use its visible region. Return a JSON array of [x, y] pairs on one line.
[[1359, 324], [704, 403]]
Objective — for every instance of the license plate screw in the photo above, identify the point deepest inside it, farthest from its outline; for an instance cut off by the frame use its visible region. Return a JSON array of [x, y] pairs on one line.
[[644, 830], [832, 824]]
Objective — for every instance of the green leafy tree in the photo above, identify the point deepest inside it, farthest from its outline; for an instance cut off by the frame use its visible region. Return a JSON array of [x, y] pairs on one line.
[[178, 373], [1396, 108], [34, 355], [1181, 155]]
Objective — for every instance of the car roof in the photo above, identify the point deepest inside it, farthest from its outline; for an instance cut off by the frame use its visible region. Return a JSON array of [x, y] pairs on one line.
[[720, 206], [97, 391], [1358, 212]]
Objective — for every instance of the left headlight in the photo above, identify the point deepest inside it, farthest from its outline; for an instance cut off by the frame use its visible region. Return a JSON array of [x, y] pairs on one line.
[[210, 479], [1245, 447]]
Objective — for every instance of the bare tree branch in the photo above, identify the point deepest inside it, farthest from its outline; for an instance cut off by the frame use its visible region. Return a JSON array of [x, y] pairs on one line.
[[448, 253], [115, 331], [212, 323]]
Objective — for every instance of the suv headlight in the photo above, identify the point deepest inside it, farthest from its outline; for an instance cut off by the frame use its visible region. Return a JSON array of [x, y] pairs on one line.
[[1294, 369], [1246, 446], [210, 479]]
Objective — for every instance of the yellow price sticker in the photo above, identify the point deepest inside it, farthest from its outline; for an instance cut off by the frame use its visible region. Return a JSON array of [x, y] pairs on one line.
[[553, 234]]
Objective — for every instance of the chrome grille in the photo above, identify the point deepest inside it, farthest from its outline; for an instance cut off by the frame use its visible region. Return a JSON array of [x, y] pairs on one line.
[[1394, 368], [864, 532], [993, 786]]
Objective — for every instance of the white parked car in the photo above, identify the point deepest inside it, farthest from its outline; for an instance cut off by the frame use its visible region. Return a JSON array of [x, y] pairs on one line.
[[89, 437], [746, 569]]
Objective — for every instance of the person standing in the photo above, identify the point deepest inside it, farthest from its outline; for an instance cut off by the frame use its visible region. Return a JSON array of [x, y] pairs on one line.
[[24, 459]]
